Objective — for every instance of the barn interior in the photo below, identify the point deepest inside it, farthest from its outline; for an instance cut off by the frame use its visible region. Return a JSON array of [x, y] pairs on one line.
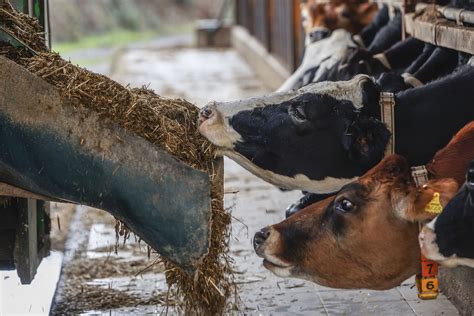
[[66, 249]]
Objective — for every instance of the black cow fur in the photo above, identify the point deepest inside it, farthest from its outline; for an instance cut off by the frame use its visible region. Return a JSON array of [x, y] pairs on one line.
[[441, 62], [335, 140], [379, 21], [387, 36], [454, 227], [360, 61], [403, 53], [421, 59]]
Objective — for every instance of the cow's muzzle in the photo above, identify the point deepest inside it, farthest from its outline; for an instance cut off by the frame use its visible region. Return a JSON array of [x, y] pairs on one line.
[[319, 34], [259, 240], [206, 113]]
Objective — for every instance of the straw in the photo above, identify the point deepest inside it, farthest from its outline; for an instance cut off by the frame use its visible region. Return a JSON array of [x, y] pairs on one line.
[[168, 123]]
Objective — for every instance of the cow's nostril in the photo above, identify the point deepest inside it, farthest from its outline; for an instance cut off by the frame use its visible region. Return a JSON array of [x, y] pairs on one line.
[[206, 112], [260, 237]]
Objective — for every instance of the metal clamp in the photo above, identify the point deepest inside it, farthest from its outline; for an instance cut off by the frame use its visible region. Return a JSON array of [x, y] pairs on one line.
[[420, 175]]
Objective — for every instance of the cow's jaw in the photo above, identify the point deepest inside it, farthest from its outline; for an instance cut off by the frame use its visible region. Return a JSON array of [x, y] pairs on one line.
[[296, 182]]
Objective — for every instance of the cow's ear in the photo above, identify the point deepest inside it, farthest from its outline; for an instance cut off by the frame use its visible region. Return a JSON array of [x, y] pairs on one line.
[[365, 141], [424, 204]]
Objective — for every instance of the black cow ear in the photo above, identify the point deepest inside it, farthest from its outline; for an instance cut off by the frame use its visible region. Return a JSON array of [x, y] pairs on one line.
[[365, 141]]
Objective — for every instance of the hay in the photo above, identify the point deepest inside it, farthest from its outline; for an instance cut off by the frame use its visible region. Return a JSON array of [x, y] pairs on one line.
[[168, 123], [23, 27], [80, 294], [429, 14]]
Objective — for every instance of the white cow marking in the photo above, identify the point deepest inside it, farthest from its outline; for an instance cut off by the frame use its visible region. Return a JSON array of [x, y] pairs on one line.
[[298, 182]]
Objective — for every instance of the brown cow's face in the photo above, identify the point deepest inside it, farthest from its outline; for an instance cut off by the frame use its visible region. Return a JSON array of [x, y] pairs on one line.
[[319, 18], [360, 238]]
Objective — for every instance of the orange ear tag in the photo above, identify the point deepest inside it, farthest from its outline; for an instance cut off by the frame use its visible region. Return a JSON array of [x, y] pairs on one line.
[[434, 206]]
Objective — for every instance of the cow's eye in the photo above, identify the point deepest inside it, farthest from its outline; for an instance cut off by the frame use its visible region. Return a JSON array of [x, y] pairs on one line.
[[344, 205], [297, 114]]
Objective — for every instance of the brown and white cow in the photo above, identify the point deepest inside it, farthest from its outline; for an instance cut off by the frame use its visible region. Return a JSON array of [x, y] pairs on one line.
[[320, 18], [366, 236], [329, 27]]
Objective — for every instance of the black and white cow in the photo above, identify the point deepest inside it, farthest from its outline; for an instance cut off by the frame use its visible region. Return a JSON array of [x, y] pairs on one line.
[[323, 51], [315, 54], [367, 35], [324, 135], [361, 61], [448, 239], [335, 67]]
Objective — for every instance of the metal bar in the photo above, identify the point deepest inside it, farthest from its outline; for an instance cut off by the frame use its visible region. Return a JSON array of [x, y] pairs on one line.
[[450, 36], [453, 14], [458, 15], [31, 8]]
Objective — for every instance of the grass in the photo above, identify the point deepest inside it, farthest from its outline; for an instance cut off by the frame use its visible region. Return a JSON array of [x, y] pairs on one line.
[[112, 39]]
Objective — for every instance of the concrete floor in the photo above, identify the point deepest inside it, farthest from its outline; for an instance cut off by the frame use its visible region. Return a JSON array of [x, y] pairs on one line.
[[201, 76]]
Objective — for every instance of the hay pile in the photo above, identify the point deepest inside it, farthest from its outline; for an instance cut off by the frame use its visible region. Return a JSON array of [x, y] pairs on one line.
[[170, 124]]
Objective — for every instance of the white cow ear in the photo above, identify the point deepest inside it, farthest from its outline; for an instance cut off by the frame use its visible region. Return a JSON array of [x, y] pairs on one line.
[[424, 204]]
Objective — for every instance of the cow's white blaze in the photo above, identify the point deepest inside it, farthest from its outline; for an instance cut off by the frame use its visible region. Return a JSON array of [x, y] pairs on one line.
[[297, 182]]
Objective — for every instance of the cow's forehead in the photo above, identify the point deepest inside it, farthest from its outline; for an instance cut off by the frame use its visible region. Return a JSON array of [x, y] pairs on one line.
[[350, 90]]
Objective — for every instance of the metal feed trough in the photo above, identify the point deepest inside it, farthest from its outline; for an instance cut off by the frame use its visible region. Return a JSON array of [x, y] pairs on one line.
[[51, 150]]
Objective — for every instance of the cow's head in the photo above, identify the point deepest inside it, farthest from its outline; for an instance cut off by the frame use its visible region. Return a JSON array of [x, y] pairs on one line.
[[317, 138], [320, 18], [447, 239], [363, 237]]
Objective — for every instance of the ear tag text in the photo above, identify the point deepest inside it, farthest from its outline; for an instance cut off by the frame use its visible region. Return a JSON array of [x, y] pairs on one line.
[[434, 206]]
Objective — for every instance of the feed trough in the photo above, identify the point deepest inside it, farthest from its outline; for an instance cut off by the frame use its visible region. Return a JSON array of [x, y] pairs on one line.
[[53, 150]]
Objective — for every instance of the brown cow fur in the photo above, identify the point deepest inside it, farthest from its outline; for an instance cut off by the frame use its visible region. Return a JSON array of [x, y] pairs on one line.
[[375, 245], [352, 16]]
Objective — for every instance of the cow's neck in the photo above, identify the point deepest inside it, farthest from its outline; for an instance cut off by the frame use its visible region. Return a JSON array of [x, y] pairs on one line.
[[426, 118]]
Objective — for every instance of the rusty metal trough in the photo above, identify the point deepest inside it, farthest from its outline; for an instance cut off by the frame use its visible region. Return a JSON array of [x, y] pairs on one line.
[[52, 151]]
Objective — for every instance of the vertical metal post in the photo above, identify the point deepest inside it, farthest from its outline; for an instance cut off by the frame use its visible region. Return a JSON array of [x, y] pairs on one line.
[[47, 24], [31, 8]]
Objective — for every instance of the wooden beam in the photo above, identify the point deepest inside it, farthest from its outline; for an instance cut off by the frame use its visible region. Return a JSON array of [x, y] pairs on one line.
[[444, 33]]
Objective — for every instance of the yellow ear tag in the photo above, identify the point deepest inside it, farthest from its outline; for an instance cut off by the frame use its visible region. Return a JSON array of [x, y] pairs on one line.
[[434, 206]]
